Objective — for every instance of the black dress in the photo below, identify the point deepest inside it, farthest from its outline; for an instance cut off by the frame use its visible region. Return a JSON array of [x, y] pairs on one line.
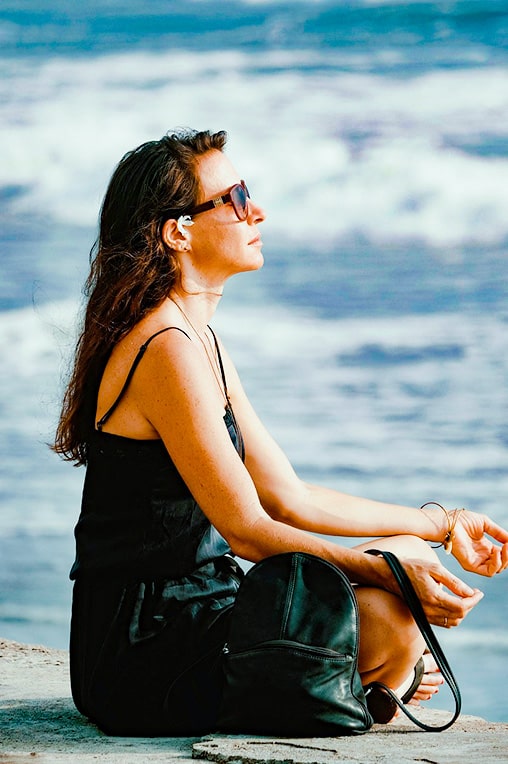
[[153, 591]]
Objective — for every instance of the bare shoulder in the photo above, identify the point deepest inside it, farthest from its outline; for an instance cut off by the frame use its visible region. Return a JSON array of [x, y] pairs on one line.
[[137, 366], [142, 347], [175, 376], [169, 355]]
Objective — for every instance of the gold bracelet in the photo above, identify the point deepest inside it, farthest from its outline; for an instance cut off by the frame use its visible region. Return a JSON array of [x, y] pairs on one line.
[[452, 519]]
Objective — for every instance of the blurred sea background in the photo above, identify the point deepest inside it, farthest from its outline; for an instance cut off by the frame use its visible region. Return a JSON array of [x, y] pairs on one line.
[[373, 342]]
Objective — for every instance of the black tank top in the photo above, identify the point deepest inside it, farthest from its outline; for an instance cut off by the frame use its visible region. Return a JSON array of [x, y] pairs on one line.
[[138, 518]]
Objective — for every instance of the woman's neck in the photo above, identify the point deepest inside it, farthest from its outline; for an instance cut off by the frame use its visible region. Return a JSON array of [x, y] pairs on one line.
[[198, 307]]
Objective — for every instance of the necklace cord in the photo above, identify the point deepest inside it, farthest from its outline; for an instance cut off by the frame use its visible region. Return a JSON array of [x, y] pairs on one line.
[[212, 360]]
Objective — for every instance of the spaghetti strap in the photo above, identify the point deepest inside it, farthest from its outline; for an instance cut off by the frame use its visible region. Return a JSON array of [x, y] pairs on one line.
[[221, 365], [229, 408], [132, 369]]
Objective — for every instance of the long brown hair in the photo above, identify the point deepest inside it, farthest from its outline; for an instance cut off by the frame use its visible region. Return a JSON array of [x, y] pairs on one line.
[[132, 269]]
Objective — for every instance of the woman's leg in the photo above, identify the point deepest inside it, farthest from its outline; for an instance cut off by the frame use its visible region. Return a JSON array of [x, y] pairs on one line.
[[390, 641]]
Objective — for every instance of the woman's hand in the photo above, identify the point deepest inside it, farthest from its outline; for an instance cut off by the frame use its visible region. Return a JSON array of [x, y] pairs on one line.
[[474, 550], [430, 581]]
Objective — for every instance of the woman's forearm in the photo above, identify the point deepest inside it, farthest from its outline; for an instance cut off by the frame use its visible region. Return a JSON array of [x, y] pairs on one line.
[[266, 537], [326, 511]]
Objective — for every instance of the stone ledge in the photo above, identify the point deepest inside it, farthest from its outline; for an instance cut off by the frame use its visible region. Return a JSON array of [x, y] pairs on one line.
[[470, 741], [38, 723]]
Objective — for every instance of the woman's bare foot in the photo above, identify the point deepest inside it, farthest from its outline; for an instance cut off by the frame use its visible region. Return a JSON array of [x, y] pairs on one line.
[[422, 684], [430, 682]]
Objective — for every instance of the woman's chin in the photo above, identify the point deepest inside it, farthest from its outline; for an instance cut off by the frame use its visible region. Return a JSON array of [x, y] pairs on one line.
[[257, 262]]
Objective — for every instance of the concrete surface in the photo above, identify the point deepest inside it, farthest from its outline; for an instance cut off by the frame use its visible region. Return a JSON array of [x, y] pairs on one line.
[[38, 723]]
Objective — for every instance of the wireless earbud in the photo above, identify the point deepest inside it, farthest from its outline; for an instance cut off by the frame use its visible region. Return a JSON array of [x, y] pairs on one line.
[[184, 220]]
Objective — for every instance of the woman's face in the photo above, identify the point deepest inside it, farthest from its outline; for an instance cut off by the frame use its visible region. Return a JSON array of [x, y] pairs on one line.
[[220, 244]]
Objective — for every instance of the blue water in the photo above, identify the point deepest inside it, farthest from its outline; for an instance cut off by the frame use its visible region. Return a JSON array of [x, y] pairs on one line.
[[373, 342]]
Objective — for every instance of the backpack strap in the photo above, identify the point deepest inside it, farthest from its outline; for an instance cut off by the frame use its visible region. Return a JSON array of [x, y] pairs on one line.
[[415, 606]]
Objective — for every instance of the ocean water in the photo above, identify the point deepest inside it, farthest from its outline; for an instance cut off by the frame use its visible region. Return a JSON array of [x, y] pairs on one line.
[[373, 342]]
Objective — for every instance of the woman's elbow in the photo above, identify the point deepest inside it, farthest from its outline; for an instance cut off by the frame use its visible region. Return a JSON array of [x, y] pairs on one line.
[[255, 541], [246, 550], [284, 508]]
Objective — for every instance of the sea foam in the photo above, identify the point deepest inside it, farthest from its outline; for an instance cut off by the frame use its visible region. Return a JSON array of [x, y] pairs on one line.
[[339, 152]]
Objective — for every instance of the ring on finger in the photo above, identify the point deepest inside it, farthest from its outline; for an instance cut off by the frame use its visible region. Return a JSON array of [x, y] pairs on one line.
[[445, 622]]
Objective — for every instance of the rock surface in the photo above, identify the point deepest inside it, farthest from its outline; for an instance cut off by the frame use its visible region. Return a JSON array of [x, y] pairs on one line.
[[38, 723]]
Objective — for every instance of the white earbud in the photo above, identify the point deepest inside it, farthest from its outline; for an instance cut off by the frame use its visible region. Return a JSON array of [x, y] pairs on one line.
[[184, 220]]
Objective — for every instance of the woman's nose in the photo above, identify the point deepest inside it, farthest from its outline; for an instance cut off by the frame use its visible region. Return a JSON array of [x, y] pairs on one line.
[[256, 213]]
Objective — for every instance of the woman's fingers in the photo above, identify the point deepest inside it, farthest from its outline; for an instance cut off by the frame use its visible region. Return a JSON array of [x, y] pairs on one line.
[[496, 531], [442, 607], [451, 610], [475, 550], [452, 582], [504, 557]]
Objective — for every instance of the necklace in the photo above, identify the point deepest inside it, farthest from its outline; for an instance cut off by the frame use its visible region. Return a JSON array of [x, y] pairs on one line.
[[212, 359]]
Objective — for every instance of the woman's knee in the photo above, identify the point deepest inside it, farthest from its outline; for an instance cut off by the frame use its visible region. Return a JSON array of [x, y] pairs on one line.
[[390, 641]]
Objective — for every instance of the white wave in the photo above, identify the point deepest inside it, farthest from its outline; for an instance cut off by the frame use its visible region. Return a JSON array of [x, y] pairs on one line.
[[331, 152], [39, 492]]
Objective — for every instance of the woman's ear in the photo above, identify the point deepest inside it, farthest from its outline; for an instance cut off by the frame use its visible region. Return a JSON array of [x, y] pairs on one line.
[[175, 234]]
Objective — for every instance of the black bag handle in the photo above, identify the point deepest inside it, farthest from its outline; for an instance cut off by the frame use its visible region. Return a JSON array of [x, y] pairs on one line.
[[430, 638]]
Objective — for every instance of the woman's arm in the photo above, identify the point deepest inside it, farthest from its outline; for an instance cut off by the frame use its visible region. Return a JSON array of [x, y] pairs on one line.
[[176, 393], [326, 511], [314, 508], [174, 390]]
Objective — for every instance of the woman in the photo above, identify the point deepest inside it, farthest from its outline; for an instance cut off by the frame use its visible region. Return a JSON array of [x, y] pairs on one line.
[[181, 474]]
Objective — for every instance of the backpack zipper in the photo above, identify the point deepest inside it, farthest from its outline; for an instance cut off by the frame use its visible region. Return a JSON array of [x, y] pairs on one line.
[[288, 644]]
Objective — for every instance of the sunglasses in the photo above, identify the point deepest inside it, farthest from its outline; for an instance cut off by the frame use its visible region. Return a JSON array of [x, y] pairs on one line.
[[239, 197]]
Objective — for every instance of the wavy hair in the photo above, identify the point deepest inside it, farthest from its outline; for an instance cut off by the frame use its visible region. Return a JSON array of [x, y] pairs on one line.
[[132, 269]]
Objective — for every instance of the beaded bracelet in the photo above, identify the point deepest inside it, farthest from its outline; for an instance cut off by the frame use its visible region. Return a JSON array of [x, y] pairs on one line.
[[452, 518]]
